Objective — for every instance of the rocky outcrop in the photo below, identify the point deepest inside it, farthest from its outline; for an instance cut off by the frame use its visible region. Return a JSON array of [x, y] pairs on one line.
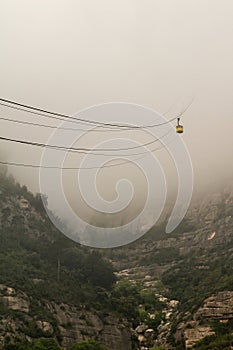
[[210, 225], [145, 337], [78, 325], [218, 307], [72, 324], [14, 301], [165, 328], [196, 333]]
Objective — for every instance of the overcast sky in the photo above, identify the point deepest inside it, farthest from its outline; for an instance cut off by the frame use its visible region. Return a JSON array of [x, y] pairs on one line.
[[71, 54]]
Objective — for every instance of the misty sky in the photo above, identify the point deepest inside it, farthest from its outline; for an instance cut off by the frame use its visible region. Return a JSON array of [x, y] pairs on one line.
[[69, 55]]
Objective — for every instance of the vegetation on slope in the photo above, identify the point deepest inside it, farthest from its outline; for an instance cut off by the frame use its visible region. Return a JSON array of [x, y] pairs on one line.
[[37, 259]]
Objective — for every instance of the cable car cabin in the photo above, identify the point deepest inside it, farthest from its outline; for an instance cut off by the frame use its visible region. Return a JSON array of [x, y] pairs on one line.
[[179, 128]]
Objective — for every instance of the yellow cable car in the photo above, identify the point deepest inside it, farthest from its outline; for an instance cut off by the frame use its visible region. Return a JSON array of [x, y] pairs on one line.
[[179, 128]]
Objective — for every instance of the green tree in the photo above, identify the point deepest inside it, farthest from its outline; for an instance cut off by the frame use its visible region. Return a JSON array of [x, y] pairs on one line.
[[126, 298], [87, 345], [20, 345], [215, 342], [46, 344], [99, 271]]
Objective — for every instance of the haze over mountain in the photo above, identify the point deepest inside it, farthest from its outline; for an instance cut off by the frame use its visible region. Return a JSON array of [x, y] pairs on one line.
[[166, 290], [159, 54]]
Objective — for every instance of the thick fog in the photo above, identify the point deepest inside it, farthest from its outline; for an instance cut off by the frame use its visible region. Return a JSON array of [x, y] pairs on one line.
[[65, 56]]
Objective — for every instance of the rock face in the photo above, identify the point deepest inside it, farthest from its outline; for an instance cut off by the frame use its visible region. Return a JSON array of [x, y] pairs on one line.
[[145, 262], [73, 325], [208, 228], [195, 334], [218, 307], [164, 329], [14, 301], [78, 325]]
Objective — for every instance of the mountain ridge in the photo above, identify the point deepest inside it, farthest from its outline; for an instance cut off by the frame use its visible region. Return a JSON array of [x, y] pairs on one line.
[[139, 296]]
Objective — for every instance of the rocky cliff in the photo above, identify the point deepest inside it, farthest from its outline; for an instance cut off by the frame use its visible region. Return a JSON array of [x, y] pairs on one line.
[[51, 287], [192, 265], [69, 324], [218, 307]]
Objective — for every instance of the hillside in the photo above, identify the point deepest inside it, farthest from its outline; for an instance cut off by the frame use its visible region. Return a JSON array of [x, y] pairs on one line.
[[190, 265], [54, 288], [163, 290]]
